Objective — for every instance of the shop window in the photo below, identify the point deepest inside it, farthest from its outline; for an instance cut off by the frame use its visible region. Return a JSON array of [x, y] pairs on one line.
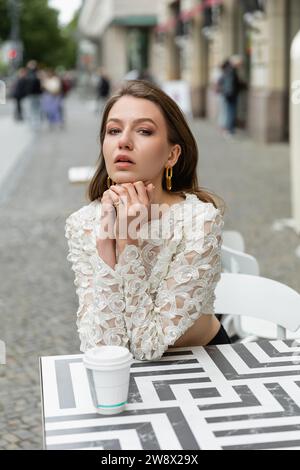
[[250, 6], [207, 17], [211, 19]]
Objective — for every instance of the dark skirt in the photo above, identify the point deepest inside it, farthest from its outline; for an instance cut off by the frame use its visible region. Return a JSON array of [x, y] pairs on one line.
[[220, 338]]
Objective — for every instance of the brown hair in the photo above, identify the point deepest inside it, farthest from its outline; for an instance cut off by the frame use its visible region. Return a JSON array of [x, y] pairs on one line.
[[184, 177]]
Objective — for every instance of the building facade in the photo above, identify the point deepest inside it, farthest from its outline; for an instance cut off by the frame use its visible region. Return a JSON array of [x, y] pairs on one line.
[[189, 39], [122, 31], [198, 35]]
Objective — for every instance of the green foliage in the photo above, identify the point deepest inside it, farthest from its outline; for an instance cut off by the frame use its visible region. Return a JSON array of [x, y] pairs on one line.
[[43, 38], [68, 54], [4, 21], [3, 69]]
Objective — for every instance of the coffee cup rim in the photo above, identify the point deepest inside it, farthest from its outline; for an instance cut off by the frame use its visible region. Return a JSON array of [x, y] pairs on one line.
[[92, 359]]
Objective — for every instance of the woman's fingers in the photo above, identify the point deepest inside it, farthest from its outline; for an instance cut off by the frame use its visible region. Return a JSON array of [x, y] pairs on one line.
[[121, 192], [114, 197], [107, 203], [132, 193], [142, 192]]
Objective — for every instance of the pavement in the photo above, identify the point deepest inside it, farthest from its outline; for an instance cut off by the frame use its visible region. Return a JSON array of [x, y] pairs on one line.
[[15, 139], [38, 303]]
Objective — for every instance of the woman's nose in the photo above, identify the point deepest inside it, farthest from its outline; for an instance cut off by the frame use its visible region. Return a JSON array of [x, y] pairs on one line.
[[125, 140]]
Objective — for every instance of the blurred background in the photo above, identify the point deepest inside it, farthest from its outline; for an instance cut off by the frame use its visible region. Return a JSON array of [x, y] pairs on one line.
[[227, 63]]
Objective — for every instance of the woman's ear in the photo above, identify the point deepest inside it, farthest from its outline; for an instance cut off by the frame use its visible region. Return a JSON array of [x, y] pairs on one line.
[[174, 154]]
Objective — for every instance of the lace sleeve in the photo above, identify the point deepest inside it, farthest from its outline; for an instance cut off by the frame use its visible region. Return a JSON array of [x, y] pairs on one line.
[[100, 315], [156, 322]]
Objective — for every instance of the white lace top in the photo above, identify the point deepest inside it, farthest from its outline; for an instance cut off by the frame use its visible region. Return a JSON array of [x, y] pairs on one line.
[[157, 289]]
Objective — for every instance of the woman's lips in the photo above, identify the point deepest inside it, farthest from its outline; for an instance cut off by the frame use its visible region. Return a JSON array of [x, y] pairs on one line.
[[123, 164]]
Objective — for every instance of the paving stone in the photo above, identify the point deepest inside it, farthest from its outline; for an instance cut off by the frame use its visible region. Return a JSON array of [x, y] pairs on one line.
[[23, 434], [10, 438], [28, 445]]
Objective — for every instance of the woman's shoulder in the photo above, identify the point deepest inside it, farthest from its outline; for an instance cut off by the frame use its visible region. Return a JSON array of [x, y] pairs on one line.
[[194, 207], [85, 216], [200, 218]]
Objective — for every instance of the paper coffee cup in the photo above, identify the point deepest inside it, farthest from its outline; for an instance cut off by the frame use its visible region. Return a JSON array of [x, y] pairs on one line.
[[108, 369]]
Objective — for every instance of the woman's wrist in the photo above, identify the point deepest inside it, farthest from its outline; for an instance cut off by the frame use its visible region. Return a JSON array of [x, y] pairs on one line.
[[107, 227], [106, 249]]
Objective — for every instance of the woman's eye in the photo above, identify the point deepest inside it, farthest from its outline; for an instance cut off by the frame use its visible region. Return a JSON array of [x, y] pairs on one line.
[[145, 131]]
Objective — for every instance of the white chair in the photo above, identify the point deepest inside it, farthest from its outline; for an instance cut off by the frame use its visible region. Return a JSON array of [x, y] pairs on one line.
[[233, 239], [234, 261], [260, 298], [245, 327]]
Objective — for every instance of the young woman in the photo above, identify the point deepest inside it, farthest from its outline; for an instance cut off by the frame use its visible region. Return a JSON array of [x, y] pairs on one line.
[[138, 287]]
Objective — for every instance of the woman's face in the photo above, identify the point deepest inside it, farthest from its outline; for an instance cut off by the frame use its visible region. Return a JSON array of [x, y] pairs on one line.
[[136, 128]]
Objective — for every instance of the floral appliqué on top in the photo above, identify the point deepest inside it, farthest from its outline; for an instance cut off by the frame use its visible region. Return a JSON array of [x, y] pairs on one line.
[[157, 289]]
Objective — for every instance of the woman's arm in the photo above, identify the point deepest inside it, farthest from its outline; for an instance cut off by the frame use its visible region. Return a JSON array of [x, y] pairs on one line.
[[155, 321], [107, 251], [100, 314]]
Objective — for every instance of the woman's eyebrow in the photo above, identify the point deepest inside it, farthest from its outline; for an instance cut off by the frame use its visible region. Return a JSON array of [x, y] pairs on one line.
[[135, 120]]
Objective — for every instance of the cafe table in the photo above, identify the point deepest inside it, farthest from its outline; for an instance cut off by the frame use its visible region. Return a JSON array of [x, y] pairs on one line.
[[240, 396]]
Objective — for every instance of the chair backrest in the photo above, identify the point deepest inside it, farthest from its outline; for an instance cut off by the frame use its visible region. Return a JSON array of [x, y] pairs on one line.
[[233, 239], [234, 261], [259, 297]]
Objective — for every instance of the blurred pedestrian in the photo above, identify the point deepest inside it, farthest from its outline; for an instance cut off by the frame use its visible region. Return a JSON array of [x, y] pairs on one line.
[[33, 95], [230, 87], [102, 89], [218, 87], [19, 93], [52, 99], [67, 83]]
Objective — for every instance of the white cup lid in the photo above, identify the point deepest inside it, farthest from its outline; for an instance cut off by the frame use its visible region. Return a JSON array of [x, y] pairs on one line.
[[107, 356]]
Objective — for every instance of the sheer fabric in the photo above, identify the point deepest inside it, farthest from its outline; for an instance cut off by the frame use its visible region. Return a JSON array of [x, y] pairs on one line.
[[157, 289]]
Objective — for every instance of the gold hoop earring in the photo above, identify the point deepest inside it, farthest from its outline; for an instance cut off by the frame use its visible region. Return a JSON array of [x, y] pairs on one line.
[[169, 174]]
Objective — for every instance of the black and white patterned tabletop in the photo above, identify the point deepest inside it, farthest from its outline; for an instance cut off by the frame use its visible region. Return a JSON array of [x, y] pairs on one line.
[[240, 396]]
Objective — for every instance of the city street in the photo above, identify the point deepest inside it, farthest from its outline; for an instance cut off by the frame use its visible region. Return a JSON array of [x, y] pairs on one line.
[[15, 138], [37, 295]]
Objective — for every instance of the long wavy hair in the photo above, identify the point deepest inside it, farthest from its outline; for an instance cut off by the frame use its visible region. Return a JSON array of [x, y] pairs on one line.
[[184, 177]]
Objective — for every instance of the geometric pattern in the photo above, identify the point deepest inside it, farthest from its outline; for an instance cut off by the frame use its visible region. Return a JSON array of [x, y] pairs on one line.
[[230, 396]]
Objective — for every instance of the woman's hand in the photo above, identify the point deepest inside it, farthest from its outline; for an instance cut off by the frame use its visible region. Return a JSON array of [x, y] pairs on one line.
[[131, 199], [107, 203], [108, 216]]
